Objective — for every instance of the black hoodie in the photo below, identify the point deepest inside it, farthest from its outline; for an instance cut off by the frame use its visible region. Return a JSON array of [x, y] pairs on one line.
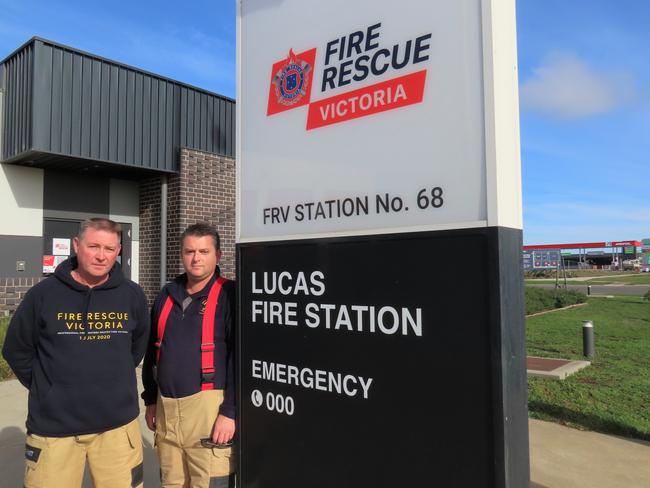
[[76, 348]]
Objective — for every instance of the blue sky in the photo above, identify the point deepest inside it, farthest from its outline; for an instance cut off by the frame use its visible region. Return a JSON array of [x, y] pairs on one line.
[[584, 92], [585, 119]]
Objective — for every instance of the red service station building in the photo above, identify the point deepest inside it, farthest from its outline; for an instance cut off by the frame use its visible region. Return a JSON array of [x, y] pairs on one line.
[[610, 255]]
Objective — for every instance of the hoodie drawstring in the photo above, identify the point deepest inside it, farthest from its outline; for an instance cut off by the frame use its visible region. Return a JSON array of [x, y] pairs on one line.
[[86, 307]]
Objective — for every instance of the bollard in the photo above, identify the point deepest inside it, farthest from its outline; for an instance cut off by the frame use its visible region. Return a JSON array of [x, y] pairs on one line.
[[589, 290], [588, 349]]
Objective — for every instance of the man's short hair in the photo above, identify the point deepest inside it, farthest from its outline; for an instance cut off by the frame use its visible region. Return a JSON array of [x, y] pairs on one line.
[[202, 229], [99, 223]]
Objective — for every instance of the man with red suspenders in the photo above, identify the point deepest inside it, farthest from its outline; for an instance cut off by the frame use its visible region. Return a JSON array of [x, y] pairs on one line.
[[188, 372]]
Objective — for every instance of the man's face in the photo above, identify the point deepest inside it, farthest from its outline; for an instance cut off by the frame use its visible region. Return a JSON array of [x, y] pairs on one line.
[[96, 251], [200, 257]]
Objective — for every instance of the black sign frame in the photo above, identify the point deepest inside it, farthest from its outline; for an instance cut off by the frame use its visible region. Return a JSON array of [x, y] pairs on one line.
[[480, 445]]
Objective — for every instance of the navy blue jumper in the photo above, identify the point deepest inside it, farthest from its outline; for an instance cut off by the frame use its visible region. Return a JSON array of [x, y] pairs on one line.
[[178, 373]]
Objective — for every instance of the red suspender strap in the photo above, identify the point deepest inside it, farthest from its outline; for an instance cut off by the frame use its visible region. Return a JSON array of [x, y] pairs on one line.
[[162, 323], [207, 336], [207, 333]]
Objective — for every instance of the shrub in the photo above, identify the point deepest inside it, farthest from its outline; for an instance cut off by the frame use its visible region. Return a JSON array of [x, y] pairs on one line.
[[564, 298], [5, 370], [540, 299], [549, 274]]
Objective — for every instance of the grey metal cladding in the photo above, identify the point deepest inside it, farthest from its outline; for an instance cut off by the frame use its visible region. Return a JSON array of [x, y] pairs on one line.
[[17, 121], [84, 106]]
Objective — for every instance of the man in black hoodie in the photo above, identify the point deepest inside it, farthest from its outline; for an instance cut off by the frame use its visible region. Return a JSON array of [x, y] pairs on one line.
[[188, 371], [74, 342]]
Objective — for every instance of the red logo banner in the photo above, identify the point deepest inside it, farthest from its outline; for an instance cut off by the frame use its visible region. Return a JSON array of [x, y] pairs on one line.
[[380, 97]]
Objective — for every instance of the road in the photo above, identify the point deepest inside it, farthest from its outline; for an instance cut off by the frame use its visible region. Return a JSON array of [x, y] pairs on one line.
[[630, 290]]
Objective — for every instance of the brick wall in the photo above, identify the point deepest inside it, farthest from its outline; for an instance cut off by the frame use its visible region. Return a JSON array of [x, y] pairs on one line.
[[149, 253], [204, 190], [206, 193], [12, 291]]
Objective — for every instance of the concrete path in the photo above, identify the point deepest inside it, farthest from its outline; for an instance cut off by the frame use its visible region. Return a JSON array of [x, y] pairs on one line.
[[567, 458], [560, 457]]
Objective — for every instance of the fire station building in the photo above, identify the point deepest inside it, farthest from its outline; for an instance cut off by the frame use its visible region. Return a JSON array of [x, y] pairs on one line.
[[82, 136]]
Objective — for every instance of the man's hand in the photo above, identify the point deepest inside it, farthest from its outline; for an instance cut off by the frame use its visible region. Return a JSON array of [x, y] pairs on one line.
[[223, 430], [150, 417]]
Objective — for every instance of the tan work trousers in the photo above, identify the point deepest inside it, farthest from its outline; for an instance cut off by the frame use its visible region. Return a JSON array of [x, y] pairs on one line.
[[181, 423], [114, 459]]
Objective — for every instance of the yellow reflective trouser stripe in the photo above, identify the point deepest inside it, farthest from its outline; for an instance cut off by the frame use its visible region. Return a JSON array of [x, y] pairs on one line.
[[113, 458], [181, 423]]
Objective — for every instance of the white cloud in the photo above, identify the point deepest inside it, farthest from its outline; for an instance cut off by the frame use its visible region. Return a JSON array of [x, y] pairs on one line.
[[565, 86]]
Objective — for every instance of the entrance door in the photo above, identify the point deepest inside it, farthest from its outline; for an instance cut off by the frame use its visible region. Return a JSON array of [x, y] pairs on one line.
[[57, 242]]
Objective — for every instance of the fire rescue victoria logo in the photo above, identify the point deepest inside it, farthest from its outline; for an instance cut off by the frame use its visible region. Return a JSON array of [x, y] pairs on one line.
[[291, 81], [360, 76]]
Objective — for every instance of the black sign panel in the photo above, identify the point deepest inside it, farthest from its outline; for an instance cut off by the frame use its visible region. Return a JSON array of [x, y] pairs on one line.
[[371, 362]]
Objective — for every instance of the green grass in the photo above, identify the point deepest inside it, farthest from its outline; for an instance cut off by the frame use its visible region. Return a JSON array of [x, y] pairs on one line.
[[5, 371], [613, 394], [637, 279], [595, 272]]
